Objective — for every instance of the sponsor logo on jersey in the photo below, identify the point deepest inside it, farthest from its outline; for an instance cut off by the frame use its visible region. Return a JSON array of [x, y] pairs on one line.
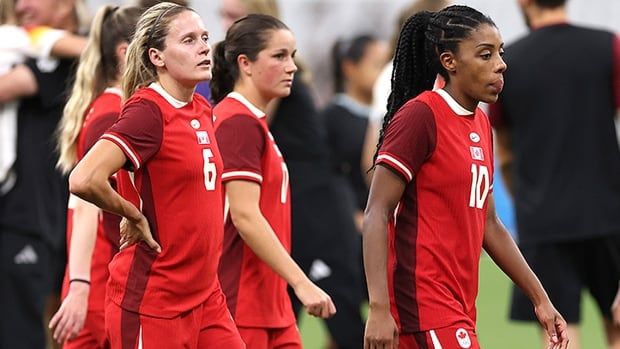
[[474, 137], [195, 124], [203, 137], [476, 153], [463, 338]]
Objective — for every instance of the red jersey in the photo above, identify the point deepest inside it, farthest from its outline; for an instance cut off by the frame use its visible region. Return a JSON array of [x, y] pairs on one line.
[[171, 149], [256, 295], [445, 155], [102, 114]]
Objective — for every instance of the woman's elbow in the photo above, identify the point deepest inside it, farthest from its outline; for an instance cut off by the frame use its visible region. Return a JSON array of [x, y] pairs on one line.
[[80, 182]]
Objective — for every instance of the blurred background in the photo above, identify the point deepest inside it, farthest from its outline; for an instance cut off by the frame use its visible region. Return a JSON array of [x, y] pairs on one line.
[[318, 23]]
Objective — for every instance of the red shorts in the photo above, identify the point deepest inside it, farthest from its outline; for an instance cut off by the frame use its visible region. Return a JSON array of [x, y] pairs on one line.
[[271, 338], [208, 325], [92, 335], [443, 338]]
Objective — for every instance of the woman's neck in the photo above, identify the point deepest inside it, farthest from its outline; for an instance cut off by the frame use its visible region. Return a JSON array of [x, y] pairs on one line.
[[359, 95], [175, 89], [465, 101], [251, 93]]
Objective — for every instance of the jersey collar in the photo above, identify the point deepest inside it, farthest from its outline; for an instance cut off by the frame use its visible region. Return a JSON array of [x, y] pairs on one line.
[[167, 96], [453, 104], [254, 109], [114, 91]]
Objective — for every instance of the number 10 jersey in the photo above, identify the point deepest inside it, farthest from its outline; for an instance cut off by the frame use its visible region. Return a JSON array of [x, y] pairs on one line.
[[444, 154]]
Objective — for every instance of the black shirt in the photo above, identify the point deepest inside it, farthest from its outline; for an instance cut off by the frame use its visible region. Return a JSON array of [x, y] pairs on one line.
[[558, 103], [37, 205]]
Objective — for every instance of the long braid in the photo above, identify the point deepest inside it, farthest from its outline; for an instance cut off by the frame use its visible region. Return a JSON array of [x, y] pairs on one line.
[[424, 36]]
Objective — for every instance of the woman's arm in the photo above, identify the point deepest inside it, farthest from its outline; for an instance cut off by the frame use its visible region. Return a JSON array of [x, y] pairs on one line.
[[17, 83], [243, 197], [386, 190], [502, 249], [69, 45], [69, 319], [89, 181]]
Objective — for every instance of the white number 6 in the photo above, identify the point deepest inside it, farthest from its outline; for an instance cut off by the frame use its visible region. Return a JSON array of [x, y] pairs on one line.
[[209, 169]]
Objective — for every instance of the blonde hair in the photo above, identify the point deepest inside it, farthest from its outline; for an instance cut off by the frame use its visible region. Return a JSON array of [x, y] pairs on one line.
[[7, 12], [151, 32], [99, 68]]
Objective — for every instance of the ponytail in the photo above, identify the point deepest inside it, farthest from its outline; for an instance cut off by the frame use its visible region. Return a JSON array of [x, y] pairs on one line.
[[89, 82], [97, 70], [222, 81], [413, 72]]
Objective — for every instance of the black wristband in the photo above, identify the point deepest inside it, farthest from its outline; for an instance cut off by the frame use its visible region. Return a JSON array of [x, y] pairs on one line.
[[80, 280]]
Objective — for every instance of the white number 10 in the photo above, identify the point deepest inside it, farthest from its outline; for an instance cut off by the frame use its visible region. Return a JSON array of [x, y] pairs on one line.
[[209, 169], [479, 186]]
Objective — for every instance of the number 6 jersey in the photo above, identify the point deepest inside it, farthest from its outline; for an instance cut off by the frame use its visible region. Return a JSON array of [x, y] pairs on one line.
[[444, 154], [171, 149]]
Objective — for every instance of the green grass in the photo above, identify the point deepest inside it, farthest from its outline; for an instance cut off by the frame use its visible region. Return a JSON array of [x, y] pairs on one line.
[[494, 329]]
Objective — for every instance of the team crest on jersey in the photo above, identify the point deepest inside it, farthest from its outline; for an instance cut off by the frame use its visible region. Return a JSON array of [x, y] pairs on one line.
[[463, 338], [476, 153], [474, 137], [203, 137], [195, 124]]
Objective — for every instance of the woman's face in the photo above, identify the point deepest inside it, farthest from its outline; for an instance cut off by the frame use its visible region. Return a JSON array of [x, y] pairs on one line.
[[186, 54], [363, 74], [230, 11], [273, 70], [478, 65]]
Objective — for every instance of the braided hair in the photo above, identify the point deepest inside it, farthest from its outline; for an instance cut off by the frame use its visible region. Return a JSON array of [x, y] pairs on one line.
[[424, 36]]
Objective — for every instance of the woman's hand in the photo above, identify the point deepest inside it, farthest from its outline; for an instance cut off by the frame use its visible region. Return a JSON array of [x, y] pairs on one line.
[[381, 330], [70, 317], [315, 300], [134, 231], [554, 325]]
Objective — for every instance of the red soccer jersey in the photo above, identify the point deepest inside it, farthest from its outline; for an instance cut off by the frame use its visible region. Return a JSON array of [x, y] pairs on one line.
[[102, 114], [255, 294], [445, 155], [171, 149]]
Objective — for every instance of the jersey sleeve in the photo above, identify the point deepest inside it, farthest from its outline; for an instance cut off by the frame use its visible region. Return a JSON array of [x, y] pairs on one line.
[[241, 140], [138, 132], [409, 140], [96, 129]]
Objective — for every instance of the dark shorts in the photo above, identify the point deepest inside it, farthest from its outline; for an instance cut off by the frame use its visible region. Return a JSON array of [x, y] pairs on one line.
[[25, 282], [565, 270]]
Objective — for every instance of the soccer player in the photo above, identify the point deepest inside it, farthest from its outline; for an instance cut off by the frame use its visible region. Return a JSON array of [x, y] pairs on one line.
[[252, 66], [92, 235], [430, 210], [163, 290]]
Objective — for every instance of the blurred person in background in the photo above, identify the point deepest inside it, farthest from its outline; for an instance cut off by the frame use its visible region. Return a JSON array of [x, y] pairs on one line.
[[322, 225], [163, 290], [33, 211], [431, 210], [92, 235], [357, 63], [559, 156]]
